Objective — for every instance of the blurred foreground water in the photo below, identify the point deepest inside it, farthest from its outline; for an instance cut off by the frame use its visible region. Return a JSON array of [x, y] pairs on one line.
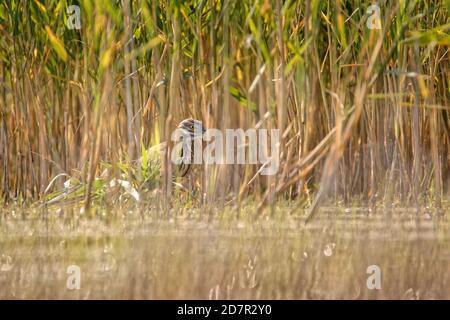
[[133, 256]]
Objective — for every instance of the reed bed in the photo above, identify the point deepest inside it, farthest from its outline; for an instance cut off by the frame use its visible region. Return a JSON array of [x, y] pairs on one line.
[[364, 113]]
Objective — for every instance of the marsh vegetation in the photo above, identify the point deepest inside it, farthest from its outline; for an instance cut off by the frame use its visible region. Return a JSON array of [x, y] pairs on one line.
[[363, 112]]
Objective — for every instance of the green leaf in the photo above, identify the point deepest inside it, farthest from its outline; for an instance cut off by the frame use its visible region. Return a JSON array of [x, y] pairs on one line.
[[242, 99], [57, 44]]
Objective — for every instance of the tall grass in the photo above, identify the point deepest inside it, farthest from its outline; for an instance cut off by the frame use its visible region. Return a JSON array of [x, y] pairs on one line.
[[364, 112]]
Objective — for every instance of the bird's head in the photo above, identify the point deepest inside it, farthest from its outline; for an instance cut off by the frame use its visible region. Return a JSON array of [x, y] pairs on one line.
[[193, 127]]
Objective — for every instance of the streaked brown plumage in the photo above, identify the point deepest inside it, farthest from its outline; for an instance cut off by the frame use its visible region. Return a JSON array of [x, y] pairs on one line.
[[194, 130]]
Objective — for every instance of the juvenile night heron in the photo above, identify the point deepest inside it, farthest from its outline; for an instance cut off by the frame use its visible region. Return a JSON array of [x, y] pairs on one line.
[[189, 131]]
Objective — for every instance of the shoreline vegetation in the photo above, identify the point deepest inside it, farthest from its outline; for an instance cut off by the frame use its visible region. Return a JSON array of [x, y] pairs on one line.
[[364, 113], [358, 90]]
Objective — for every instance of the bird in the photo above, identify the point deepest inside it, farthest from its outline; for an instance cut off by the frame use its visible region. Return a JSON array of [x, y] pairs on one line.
[[150, 162], [145, 172]]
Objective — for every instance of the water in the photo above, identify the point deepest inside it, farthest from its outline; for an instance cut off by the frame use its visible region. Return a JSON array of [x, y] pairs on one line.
[[135, 256]]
